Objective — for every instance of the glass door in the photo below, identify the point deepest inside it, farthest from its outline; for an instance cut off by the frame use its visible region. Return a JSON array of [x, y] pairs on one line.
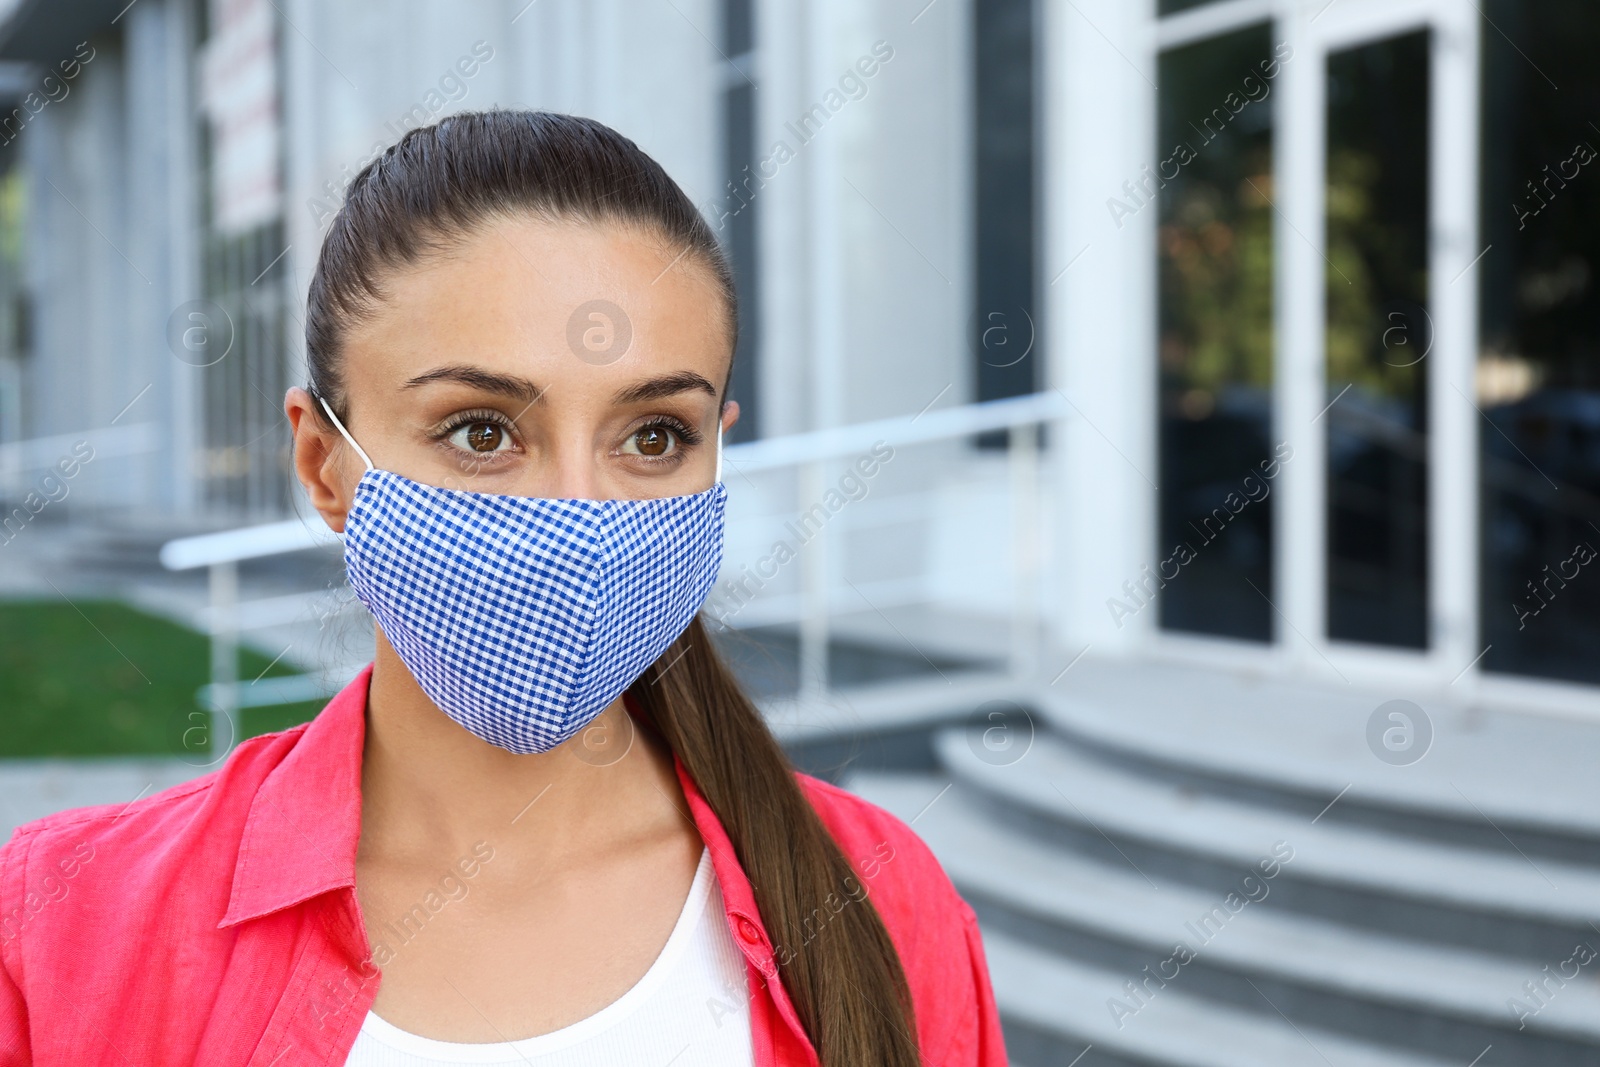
[[1538, 374], [1377, 172], [1377, 341]]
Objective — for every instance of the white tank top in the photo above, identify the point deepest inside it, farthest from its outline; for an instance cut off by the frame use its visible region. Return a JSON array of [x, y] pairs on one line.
[[691, 1007]]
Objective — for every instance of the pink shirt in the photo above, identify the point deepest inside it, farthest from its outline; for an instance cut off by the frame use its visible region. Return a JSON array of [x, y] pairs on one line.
[[216, 922]]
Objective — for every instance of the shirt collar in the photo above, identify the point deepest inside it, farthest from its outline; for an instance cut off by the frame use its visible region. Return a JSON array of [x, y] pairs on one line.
[[304, 824], [300, 837], [739, 902]]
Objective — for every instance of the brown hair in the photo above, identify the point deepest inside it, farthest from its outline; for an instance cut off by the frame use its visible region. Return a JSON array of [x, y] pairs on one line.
[[435, 185]]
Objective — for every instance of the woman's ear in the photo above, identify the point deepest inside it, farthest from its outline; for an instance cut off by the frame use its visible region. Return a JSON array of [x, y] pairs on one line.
[[319, 459], [730, 415]]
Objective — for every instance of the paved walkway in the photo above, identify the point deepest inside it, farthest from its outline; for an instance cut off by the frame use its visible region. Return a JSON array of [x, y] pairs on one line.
[[31, 789]]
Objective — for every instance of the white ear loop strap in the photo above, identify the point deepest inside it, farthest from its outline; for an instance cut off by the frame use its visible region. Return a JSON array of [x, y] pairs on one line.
[[352, 440], [719, 450]]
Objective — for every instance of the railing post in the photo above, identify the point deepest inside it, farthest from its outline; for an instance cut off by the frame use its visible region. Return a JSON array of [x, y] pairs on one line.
[[224, 581], [1023, 460], [813, 591]]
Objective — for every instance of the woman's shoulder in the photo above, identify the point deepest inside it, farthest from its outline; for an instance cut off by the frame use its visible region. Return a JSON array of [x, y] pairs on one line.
[[137, 845], [933, 929], [896, 867]]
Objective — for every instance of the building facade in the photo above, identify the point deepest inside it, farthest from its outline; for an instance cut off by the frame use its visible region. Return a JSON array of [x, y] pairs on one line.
[[1315, 278]]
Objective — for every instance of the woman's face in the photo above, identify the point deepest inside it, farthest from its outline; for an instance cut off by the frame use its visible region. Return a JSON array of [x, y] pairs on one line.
[[535, 359]]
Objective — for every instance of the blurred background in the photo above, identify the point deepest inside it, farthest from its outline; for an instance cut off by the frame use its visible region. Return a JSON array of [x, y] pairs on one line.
[[1169, 471]]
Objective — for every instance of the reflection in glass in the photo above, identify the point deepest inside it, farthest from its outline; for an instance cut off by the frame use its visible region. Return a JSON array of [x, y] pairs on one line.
[[1378, 338], [1003, 331], [740, 159], [1539, 360], [1168, 7], [1215, 262]]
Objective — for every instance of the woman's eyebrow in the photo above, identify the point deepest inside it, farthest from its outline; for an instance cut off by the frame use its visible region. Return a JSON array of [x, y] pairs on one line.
[[508, 384], [663, 386]]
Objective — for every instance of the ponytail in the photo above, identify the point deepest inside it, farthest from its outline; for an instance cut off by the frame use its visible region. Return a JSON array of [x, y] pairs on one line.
[[845, 978]]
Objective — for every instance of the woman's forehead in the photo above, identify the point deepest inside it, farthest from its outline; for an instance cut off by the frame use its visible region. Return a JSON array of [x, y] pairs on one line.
[[551, 299]]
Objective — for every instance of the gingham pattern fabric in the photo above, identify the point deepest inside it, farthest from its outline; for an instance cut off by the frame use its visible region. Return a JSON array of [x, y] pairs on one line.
[[524, 617]]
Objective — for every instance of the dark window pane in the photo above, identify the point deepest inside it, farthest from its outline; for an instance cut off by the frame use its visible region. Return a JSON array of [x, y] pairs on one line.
[[1539, 363], [1005, 325], [1378, 337], [738, 28], [1215, 260], [1167, 7], [740, 239], [737, 220]]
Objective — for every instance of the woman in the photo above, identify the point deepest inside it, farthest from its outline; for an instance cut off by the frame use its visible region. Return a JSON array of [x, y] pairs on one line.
[[498, 843]]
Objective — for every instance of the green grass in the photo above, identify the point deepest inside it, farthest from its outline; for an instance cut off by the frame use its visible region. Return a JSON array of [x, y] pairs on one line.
[[101, 679]]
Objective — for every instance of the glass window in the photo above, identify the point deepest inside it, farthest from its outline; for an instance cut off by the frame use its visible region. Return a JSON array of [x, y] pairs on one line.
[[1539, 360], [1213, 183], [1378, 337], [246, 463], [1168, 7], [1005, 327], [740, 236]]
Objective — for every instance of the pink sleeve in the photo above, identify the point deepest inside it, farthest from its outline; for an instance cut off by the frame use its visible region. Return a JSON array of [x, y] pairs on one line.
[[989, 1041], [14, 1050], [15, 1047]]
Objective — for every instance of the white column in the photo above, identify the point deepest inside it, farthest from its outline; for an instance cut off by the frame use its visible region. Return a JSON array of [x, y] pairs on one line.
[[1299, 179], [185, 422], [1099, 295], [1453, 286], [782, 219], [820, 160], [144, 352]]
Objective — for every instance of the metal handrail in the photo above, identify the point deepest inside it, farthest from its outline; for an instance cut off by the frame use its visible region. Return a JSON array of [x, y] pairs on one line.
[[793, 450], [247, 542]]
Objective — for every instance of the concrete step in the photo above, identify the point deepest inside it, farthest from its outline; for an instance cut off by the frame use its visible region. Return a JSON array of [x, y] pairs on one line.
[[1412, 887], [1434, 1000], [1493, 776], [1054, 1010]]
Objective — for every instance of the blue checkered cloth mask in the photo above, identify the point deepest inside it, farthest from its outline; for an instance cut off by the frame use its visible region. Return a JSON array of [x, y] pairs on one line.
[[523, 618]]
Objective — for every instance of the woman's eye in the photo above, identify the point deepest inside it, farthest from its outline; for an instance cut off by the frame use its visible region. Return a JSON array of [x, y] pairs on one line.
[[481, 437], [652, 441]]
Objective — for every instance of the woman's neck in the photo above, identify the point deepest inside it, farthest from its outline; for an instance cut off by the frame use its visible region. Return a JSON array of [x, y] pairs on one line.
[[431, 789]]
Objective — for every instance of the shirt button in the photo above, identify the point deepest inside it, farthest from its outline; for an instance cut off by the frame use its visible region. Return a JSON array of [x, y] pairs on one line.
[[748, 931]]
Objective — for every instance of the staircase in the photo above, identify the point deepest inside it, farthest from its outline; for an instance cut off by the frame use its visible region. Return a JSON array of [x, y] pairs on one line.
[[1152, 894]]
